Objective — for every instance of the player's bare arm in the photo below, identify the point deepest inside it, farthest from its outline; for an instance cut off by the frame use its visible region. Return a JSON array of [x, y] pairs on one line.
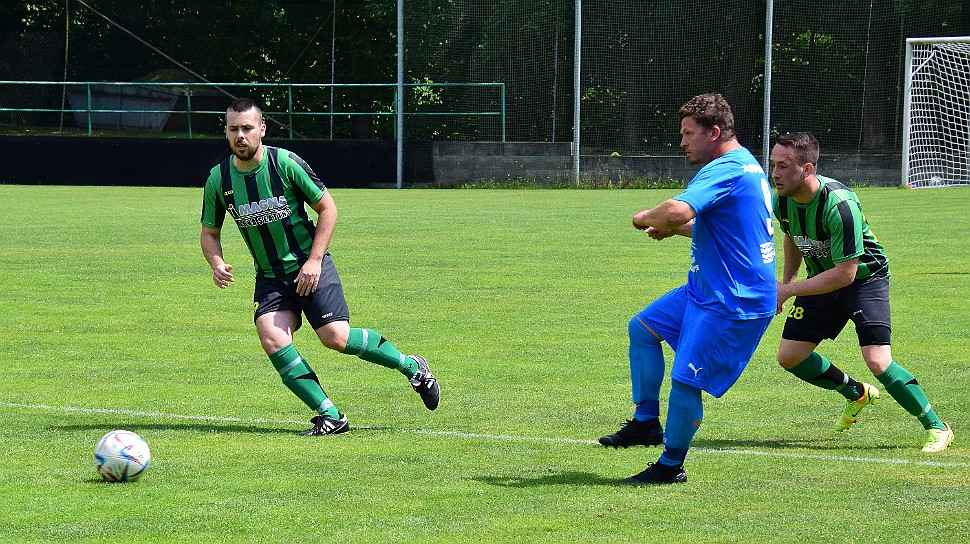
[[670, 216], [309, 276], [841, 275], [211, 241], [793, 260], [687, 229]]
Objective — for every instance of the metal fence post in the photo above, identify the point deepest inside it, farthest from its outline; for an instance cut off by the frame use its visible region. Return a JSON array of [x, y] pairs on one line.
[[577, 79], [88, 87], [766, 117], [188, 107], [399, 101]]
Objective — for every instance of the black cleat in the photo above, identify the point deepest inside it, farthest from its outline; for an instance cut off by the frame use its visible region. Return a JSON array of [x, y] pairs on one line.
[[324, 424], [425, 383], [636, 433], [658, 473]]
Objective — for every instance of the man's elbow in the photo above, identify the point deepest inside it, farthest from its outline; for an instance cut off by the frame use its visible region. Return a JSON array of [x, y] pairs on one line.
[[674, 220], [678, 213], [847, 277]]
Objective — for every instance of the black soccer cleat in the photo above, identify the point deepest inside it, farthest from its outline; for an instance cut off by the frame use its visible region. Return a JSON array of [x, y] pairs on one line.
[[324, 424], [636, 433], [425, 384], [658, 473]]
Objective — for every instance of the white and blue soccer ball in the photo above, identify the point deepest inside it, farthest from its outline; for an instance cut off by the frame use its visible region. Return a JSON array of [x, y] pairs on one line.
[[121, 456]]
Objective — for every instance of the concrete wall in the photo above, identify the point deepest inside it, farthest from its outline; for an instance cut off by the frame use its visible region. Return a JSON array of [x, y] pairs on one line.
[[481, 162], [863, 169], [469, 162]]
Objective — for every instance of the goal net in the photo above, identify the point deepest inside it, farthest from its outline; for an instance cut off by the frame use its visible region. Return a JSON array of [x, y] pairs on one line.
[[936, 143]]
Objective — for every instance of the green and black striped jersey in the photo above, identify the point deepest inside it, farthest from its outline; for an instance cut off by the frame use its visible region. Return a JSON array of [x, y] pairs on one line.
[[831, 229], [267, 204]]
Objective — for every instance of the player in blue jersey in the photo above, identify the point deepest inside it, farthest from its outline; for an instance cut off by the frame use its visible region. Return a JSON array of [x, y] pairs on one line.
[[714, 322]]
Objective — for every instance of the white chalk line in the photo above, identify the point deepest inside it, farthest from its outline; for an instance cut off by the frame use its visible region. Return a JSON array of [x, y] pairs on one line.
[[483, 436]]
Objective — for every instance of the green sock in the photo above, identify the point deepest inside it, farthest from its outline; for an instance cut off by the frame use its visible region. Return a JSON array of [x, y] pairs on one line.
[[818, 371], [300, 378], [372, 347], [908, 393]]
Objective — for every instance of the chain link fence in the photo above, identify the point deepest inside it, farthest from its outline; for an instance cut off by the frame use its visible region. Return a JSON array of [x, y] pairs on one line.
[[836, 66]]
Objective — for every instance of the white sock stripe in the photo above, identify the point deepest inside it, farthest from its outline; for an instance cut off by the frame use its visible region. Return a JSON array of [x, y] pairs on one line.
[[324, 406], [926, 410], [290, 366], [460, 434]]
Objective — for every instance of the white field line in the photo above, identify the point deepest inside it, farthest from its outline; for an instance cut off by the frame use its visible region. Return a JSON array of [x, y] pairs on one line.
[[459, 434]]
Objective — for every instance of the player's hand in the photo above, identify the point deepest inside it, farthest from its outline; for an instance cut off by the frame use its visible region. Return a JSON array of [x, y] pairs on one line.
[[308, 278], [222, 275], [783, 295], [658, 234]]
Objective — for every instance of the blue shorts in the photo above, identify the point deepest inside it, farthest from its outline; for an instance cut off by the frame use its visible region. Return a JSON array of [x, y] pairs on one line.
[[711, 351]]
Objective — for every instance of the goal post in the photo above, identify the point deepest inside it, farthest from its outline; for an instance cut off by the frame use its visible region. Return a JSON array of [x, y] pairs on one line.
[[936, 113]]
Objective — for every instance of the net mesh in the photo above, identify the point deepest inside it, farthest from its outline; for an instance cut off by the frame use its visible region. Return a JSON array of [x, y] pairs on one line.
[[836, 71], [639, 65], [939, 115]]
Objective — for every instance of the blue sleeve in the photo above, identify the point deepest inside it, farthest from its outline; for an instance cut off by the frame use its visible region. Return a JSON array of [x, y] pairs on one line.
[[708, 187]]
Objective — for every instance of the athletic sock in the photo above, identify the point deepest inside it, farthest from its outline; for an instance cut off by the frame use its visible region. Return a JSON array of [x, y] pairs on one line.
[[820, 372], [685, 413], [373, 348], [302, 381], [907, 391], [646, 371]]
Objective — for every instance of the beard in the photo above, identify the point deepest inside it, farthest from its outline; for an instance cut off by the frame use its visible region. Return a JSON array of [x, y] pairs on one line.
[[245, 154]]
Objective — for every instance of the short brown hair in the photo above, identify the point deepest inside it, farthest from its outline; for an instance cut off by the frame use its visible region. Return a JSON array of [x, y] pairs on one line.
[[710, 110], [240, 105], [804, 144]]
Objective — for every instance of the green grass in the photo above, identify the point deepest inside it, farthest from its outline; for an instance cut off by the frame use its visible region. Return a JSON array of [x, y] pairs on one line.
[[519, 299]]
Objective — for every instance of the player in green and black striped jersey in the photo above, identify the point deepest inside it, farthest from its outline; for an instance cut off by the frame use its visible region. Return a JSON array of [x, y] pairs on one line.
[[266, 191], [848, 278]]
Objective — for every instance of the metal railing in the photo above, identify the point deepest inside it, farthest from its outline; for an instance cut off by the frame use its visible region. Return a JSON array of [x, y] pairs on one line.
[[186, 90]]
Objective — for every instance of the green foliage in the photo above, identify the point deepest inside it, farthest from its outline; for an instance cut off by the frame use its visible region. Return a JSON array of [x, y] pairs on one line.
[[837, 66], [520, 300]]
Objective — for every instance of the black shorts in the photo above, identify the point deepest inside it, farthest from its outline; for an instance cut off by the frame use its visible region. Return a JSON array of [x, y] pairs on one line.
[[813, 318], [325, 305]]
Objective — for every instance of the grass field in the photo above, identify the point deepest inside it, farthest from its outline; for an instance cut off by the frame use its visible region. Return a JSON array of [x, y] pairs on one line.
[[519, 299]]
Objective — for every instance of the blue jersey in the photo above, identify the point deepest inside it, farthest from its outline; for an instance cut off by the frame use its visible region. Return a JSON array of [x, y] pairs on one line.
[[732, 272]]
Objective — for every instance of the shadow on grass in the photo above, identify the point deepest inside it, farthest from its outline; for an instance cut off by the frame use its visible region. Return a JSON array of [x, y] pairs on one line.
[[201, 427], [571, 477], [835, 443], [843, 443]]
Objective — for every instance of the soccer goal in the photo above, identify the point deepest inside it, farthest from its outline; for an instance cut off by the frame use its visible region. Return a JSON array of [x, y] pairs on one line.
[[936, 128]]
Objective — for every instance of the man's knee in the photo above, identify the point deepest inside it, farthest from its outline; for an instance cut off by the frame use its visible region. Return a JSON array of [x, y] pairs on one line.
[[790, 356], [334, 335], [275, 331], [640, 332]]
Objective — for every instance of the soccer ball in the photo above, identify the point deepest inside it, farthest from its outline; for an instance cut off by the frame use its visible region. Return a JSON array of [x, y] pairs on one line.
[[121, 456]]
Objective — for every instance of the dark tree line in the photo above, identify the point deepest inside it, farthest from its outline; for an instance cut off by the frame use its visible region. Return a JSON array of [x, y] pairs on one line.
[[837, 66]]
